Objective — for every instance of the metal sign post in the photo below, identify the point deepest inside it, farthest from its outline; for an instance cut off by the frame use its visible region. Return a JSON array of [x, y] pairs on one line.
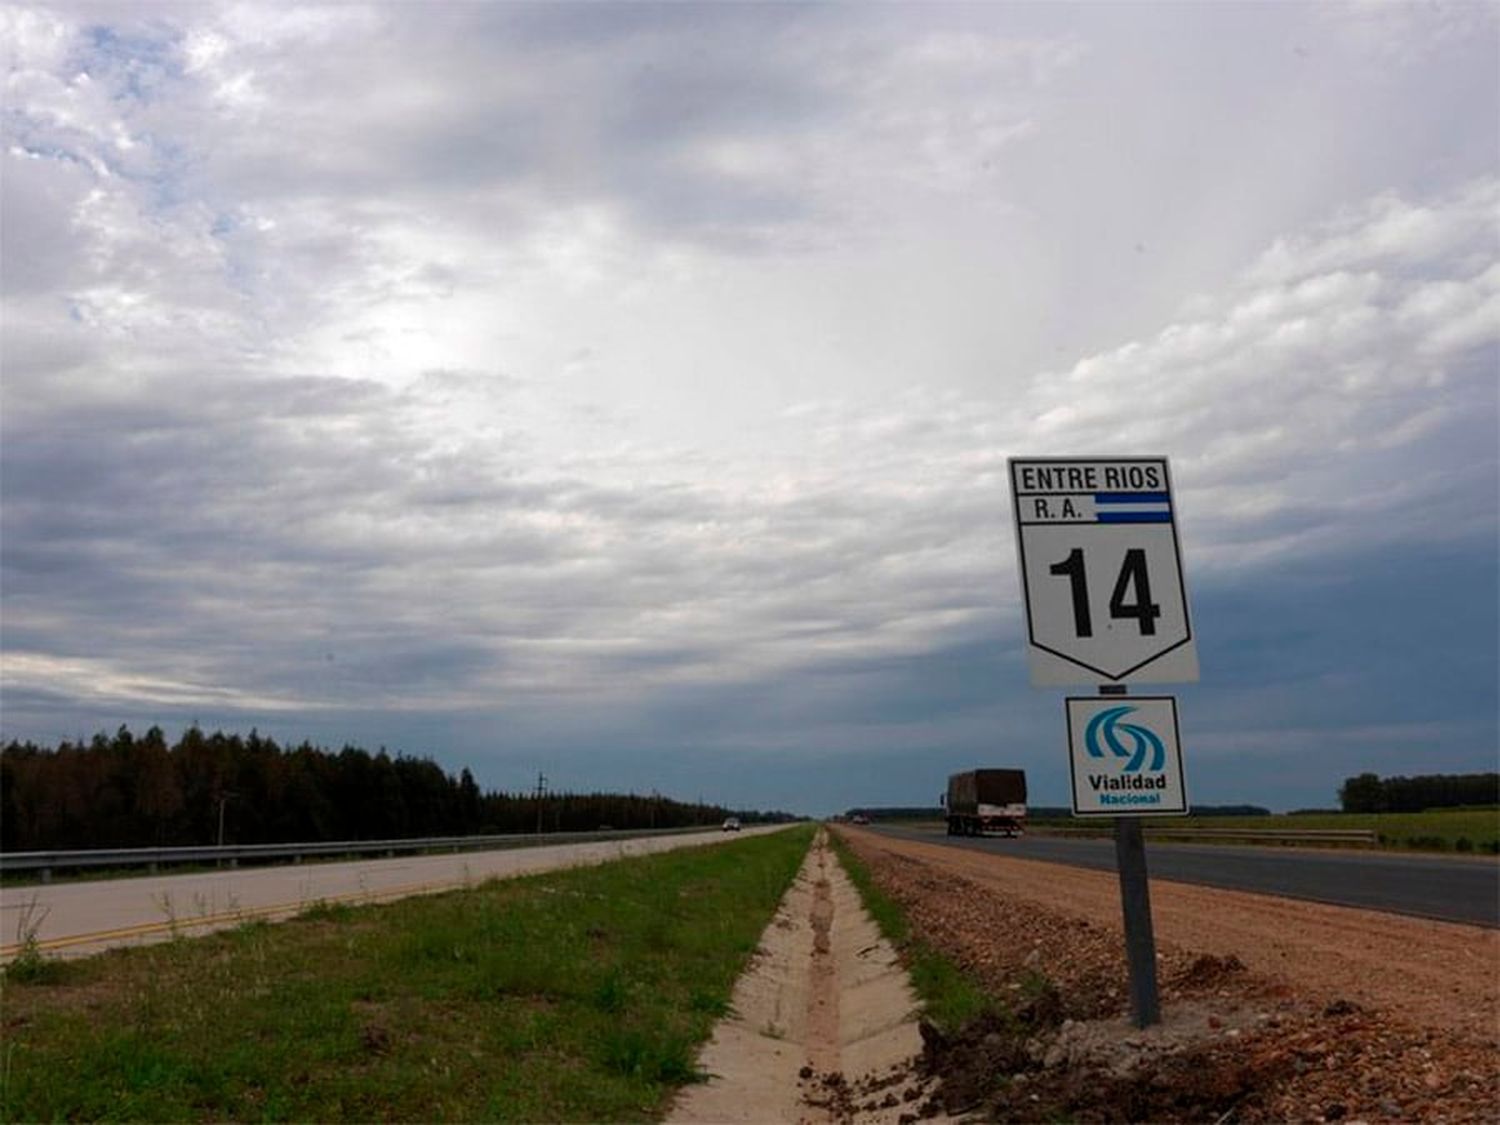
[[1126, 762], [1140, 937], [1135, 904], [1101, 576]]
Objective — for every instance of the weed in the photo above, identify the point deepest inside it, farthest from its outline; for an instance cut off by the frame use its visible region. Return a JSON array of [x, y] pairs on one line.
[[168, 909], [709, 1003], [654, 1058], [325, 911], [1035, 984], [29, 966], [613, 992]]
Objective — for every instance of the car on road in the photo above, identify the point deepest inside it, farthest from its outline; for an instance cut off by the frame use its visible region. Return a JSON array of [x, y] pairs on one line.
[[732, 824]]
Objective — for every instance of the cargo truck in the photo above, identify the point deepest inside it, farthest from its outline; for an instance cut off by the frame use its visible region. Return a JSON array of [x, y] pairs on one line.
[[987, 802]]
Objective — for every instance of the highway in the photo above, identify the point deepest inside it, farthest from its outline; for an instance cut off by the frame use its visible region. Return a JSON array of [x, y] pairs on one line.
[[1446, 888], [83, 917], [87, 916]]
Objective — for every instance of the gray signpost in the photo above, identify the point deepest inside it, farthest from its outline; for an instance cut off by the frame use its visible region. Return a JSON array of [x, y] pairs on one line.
[[1101, 576]]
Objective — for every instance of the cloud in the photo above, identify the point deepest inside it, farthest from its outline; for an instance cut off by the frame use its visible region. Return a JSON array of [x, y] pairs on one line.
[[586, 367], [1321, 404], [1406, 35]]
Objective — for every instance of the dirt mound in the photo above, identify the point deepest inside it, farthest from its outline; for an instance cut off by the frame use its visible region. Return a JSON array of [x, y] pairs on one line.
[[1208, 971], [1242, 1066], [1205, 1084], [998, 1068], [968, 1065]]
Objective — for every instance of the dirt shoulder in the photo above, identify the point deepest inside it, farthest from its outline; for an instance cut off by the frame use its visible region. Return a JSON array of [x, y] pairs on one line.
[[1274, 1009]]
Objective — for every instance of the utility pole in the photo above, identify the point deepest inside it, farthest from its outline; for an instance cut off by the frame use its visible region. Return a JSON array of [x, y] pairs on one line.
[[541, 791]]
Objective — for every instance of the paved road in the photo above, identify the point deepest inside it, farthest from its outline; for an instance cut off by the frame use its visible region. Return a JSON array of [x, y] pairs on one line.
[[85, 917], [1428, 886]]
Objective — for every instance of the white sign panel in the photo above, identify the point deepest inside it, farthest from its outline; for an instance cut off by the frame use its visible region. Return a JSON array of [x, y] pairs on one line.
[[1101, 571], [1126, 756]]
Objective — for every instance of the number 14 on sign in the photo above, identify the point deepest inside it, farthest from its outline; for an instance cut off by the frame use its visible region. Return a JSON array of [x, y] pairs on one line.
[[1134, 574], [1101, 571]]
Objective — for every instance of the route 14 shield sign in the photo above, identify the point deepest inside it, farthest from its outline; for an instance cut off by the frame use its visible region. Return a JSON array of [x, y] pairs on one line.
[[1101, 571]]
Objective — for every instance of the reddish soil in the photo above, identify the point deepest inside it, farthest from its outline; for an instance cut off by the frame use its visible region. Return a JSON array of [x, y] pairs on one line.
[[1273, 1010]]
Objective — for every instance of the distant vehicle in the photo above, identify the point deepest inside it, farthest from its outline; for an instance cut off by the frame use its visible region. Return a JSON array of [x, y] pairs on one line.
[[859, 818], [732, 824], [987, 802]]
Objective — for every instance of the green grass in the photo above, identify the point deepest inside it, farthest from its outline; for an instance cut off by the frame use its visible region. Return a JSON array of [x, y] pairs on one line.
[[950, 998], [572, 996], [1461, 830]]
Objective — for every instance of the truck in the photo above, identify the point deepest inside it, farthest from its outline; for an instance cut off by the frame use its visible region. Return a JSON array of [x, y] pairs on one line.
[[986, 802]]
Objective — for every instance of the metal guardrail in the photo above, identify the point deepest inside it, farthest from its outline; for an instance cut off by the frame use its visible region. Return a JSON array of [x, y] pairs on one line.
[[231, 854], [1265, 835]]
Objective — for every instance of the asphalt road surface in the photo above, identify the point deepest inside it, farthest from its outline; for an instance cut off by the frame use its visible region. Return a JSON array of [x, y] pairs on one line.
[[1427, 886], [87, 916]]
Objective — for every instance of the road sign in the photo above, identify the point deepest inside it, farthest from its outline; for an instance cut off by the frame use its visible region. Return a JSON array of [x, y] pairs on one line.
[[1101, 571], [1126, 756]]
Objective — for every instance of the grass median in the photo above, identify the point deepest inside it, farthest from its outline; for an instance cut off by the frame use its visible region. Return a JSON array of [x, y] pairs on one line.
[[570, 996]]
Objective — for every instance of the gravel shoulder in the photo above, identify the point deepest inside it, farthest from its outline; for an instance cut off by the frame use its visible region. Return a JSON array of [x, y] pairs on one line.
[[1274, 1009], [1438, 974]]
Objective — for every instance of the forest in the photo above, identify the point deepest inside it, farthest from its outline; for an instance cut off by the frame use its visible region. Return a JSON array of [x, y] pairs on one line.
[[1370, 793], [126, 791]]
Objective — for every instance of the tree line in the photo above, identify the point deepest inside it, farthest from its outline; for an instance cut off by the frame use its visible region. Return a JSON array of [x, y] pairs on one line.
[[1369, 793], [138, 791]]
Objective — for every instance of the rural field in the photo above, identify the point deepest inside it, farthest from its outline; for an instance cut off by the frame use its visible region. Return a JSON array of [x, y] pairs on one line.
[[1442, 830]]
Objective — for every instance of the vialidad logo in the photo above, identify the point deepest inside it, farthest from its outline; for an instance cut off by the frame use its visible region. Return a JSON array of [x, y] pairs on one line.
[[1106, 727], [1126, 758]]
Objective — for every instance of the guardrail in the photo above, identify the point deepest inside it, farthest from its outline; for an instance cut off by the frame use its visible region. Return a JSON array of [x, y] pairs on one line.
[[231, 854], [1263, 835]]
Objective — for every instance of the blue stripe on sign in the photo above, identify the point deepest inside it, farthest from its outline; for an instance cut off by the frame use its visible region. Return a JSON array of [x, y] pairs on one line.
[[1131, 498], [1135, 517]]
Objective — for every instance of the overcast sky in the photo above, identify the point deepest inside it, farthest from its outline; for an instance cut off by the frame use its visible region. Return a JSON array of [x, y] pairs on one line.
[[624, 391]]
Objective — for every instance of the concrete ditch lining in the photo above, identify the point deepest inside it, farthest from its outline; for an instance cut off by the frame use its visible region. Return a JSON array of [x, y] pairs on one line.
[[824, 1008]]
